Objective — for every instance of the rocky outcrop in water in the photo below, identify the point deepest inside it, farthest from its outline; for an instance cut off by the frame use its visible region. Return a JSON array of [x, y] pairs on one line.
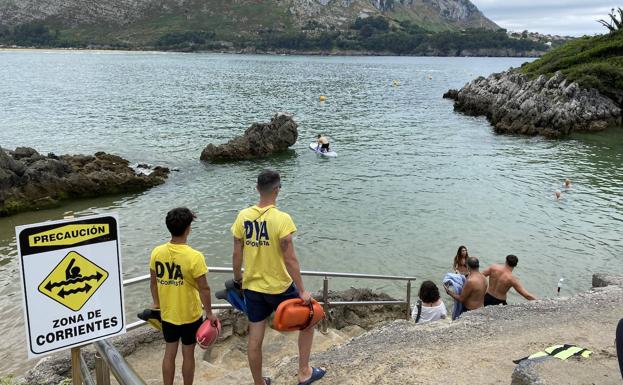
[[29, 180], [553, 107], [259, 141]]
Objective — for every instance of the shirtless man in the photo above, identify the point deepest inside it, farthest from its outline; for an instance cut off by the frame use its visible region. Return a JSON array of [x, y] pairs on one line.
[[473, 294], [501, 279], [323, 142]]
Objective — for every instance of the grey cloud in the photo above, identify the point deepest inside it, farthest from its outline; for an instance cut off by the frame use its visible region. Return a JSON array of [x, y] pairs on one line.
[[564, 17]]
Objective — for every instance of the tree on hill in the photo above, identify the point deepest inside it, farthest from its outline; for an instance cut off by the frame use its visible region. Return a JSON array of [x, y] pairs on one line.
[[616, 21]]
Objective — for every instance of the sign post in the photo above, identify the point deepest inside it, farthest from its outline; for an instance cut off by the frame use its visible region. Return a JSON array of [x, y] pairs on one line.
[[71, 283]]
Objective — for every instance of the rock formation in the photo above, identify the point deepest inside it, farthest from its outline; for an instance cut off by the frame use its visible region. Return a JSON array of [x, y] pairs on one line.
[[553, 107], [29, 180], [259, 141]]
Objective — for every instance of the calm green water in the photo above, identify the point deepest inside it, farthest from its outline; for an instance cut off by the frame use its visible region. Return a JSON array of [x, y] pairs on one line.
[[413, 180]]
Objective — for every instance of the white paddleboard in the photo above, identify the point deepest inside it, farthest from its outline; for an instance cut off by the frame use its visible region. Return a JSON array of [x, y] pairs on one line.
[[315, 147]]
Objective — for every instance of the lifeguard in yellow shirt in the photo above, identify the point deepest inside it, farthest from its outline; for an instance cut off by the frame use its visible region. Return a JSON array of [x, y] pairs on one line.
[[263, 240], [178, 287]]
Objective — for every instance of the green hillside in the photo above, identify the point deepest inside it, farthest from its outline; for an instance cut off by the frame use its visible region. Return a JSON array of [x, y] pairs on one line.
[[592, 62], [417, 27]]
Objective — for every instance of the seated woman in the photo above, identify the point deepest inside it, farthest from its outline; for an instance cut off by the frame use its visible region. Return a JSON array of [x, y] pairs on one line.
[[430, 307], [460, 261]]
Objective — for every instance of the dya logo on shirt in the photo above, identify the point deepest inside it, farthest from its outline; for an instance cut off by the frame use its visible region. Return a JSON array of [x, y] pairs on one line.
[[173, 271], [256, 233]]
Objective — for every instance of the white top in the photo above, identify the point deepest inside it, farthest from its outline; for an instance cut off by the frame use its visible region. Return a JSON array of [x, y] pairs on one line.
[[430, 314]]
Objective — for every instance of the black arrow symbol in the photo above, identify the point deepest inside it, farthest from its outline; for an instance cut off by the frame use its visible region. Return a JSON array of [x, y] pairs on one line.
[[51, 285], [85, 289]]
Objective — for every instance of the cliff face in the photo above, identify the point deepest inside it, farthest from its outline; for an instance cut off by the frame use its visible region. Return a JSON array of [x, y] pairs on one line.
[[337, 14], [552, 107]]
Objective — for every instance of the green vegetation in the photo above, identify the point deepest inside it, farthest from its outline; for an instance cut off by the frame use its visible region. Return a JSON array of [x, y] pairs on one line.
[[188, 39], [9, 380], [592, 62], [616, 21], [376, 34], [30, 35]]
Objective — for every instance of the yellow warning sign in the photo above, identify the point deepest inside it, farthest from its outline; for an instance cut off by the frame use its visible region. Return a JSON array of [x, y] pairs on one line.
[[68, 235], [73, 281]]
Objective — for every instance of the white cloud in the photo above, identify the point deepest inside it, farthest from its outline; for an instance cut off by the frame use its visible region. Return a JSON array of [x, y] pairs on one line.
[[562, 17]]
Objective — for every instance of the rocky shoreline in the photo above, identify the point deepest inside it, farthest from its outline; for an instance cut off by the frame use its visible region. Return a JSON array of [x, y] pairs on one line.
[[375, 345], [144, 346], [480, 347], [516, 104], [29, 180]]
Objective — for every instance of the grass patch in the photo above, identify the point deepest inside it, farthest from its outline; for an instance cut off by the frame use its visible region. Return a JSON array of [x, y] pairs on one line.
[[592, 62]]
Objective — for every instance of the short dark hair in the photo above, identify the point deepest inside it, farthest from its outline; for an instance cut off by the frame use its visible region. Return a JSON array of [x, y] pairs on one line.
[[429, 292], [267, 181], [473, 263], [178, 220], [511, 260], [319, 135]]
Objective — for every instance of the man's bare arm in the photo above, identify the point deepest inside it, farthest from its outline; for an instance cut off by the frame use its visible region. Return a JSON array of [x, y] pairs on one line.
[[204, 295], [153, 286], [521, 290], [292, 265], [467, 289], [237, 259], [487, 272]]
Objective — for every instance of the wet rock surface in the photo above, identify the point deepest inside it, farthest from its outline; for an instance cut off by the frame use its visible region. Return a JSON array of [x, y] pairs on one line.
[[553, 107], [29, 180], [259, 141]]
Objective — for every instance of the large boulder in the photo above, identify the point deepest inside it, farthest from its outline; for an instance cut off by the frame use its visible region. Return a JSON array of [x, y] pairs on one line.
[[552, 107], [259, 141], [29, 180]]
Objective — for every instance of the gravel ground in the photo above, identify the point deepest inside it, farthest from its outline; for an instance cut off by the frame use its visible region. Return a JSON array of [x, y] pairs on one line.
[[480, 347]]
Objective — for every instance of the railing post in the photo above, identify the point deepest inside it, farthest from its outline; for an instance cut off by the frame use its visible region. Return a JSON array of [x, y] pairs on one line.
[[76, 378], [102, 373], [408, 299], [86, 373], [325, 304]]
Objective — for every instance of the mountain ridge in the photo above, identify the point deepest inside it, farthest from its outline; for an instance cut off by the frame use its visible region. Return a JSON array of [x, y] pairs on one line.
[[143, 21]]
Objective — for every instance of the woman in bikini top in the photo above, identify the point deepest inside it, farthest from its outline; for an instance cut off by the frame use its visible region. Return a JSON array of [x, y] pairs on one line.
[[460, 261]]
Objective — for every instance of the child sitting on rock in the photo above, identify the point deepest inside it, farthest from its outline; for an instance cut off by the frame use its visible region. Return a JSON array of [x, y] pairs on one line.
[[430, 307]]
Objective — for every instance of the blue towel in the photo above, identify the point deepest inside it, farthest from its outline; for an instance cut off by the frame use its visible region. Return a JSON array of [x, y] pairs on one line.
[[456, 282]]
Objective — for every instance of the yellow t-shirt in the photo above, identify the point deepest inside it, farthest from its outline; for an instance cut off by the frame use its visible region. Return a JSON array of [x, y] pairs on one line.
[[260, 230], [177, 266]]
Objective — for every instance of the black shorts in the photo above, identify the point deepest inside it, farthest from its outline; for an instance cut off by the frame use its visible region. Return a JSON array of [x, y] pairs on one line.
[[261, 305], [325, 146], [187, 332], [491, 300]]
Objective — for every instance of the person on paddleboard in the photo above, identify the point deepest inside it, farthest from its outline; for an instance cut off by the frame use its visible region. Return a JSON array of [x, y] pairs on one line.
[[323, 142]]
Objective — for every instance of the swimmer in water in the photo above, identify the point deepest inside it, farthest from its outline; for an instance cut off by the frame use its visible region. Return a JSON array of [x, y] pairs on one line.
[[558, 194], [567, 183]]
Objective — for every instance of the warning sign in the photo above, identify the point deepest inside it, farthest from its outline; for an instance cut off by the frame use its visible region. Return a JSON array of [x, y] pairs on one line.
[[71, 278], [73, 281]]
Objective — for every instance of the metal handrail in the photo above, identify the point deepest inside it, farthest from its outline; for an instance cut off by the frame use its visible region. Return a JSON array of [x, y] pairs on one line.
[[325, 292], [108, 358], [119, 367], [145, 277]]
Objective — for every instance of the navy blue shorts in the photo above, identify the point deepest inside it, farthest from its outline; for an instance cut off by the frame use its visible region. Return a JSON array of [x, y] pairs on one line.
[[261, 305], [185, 332]]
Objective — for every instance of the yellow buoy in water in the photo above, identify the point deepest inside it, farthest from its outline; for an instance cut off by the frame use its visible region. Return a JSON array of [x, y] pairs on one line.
[[322, 98]]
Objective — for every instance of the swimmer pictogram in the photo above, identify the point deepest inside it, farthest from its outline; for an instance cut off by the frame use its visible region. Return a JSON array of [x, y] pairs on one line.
[[73, 281]]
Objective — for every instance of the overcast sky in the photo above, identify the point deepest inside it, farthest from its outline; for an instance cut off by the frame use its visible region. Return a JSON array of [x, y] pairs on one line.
[[560, 17]]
